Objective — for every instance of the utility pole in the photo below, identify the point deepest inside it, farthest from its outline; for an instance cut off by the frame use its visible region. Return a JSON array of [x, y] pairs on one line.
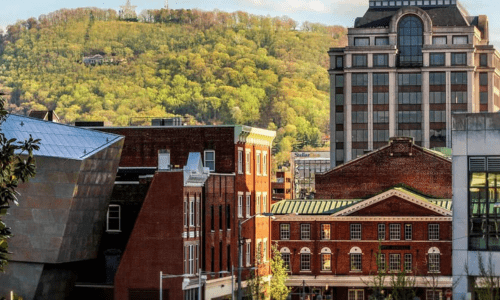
[[166, 4]]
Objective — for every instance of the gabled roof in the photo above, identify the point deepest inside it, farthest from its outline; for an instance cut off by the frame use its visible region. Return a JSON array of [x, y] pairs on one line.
[[57, 140], [402, 193], [344, 207]]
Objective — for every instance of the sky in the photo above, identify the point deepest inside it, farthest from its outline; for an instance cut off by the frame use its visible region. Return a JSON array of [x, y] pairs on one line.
[[328, 12]]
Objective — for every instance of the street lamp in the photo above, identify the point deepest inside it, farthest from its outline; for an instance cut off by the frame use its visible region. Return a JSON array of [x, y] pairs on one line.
[[240, 252], [165, 276], [200, 273]]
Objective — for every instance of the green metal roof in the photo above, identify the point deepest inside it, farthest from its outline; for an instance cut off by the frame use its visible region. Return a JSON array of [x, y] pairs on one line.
[[331, 206]]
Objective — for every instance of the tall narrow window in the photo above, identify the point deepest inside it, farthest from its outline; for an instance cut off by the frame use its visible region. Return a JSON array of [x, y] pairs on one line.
[[395, 231], [248, 160], [198, 212], [113, 218], [434, 260], [264, 202], [220, 217], [394, 262], [240, 161], [410, 41], [257, 203], [408, 232], [228, 260], [325, 231], [210, 160], [408, 262], [355, 261], [305, 231], [186, 212], [381, 232], [286, 260], [228, 217], [264, 163], [284, 231], [381, 261], [191, 213], [258, 162], [305, 261], [212, 218], [212, 262], [249, 249], [163, 159], [240, 206], [326, 262], [248, 205], [355, 231], [433, 232]]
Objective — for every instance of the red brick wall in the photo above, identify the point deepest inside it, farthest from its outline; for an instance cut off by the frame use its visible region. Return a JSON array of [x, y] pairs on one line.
[[385, 168], [394, 206], [156, 242]]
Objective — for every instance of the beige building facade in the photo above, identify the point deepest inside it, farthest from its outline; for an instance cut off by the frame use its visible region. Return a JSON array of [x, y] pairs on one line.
[[408, 66]]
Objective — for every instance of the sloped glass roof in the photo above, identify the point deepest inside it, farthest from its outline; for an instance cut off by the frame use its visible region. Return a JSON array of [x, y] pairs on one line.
[[57, 140]]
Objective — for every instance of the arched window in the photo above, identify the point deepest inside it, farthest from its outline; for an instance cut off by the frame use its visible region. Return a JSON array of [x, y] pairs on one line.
[[355, 258], [410, 40], [305, 259], [326, 259], [285, 255], [434, 260]]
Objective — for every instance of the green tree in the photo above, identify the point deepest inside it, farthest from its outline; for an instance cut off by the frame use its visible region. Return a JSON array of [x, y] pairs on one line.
[[256, 286], [485, 284], [278, 288], [18, 165]]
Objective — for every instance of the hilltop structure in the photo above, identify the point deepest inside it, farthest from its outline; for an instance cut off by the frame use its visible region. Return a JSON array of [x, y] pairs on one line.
[[127, 11], [408, 66]]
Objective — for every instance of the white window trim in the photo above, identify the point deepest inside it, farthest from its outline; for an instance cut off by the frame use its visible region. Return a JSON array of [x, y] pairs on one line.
[[248, 254], [258, 162], [248, 204], [381, 230], [410, 260], [284, 233], [303, 261], [119, 219], [391, 261], [240, 160], [264, 250], [248, 161], [264, 202], [356, 294], [240, 205], [410, 237], [258, 200], [431, 237], [191, 212], [355, 231], [205, 158], [353, 267], [264, 163], [305, 228], [398, 226]]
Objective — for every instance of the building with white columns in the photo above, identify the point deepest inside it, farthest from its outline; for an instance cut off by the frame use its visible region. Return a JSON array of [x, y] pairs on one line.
[[407, 67]]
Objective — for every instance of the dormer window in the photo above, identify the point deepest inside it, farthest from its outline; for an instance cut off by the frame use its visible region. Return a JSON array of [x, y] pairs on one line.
[[410, 41]]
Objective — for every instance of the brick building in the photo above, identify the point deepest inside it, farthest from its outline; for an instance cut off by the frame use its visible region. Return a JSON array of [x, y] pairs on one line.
[[237, 188], [407, 67], [331, 245], [282, 188]]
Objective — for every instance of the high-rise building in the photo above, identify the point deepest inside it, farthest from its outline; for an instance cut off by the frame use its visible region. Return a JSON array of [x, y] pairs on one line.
[[408, 66]]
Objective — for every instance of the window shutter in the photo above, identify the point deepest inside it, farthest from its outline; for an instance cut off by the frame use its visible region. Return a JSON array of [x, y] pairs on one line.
[[477, 164], [494, 164]]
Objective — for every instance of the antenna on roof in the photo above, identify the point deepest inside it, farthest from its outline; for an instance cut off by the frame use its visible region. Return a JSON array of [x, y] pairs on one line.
[[166, 4]]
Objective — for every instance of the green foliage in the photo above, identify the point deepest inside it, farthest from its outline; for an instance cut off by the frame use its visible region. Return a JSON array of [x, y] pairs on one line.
[[256, 286], [17, 165], [486, 284], [278, 289], [218, 67]]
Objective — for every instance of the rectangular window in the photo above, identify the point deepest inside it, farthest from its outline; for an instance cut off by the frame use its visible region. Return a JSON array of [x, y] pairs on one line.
[[339, 62], [264, 163], [240, 206], [483, 97], [359, 60], [198, 212], [163, 159], [248, 166], [284, 231], [240, 161], [381, 41], [113, 223], [437, 59], [286, 260], [394, 262], [305, 231], [191, 259], [248, 254], [408, 232], [212, 262], [326, 262], [380, 79], [355, 261], [483, 79], [228, 258], [355, 231], [257, 203], [191, 213], [325, 231], [437, 78], [432, 294], [359, 98], [305, 261], [357, 294], [381, 262], [458, 59], [380, 117], [408, 262], [460, 40], [439, 40], [458, 77], [361, 41], [433, 232], [212, 220], [186, 212], [381, 232], [395, 232], [483, 60], [228, 217], [220, 257], [458, 97], [264, 202], [380, 98], [380, 60], [339, 81], [359, 79], [434, 262], [220, 218], [258, 163], [248, 205], [210, 160], [264, 250]]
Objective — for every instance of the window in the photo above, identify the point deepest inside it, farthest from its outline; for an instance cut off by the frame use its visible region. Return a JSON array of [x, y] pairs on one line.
[[436, 59], [264, 163], [212, 221], [439, 40], [339, 81], [264, 202], [284, 231], [257, 203], [433, 294], [358, 98], [380, 60], [248, 205], [381, 232], [305, 261], [408, 262], [220, 256], [458, 59], [405, 79], [198, 212], [437, 97], [355, 231], [381, 98], [410, 41], [220, 218], [258, 163], [326, 262], [458, 97], [434, 260], [460, 40], [264, 250], [228, 217], [240, 206], [191, 212], [408, 232], [339, 62], [359, 79], [210, 160], [437, 78], [248, 166], [381, 41], [113, 223], [458, 77], [163, 159], [380, 79], [212, 262], [380, 117], [361, 41], [191, 259], [433, 232], [305, 231], [325, 231], [438, 116], [483, 79], [381, 262], [186, 212], [359, 60], [286, 260], [356, 294], [483, 60], [355, 261], [394, 262], [359, 117], [249, 249], [395, 231], [240, 161]]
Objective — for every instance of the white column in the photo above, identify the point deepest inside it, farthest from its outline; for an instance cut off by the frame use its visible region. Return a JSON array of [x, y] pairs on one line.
[[392, 103], [347, 117], [370, 111], [448, 109], [425, 109], [332, 120]]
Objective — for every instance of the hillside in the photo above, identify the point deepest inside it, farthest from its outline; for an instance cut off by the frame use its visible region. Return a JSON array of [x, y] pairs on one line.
[[214, 67]]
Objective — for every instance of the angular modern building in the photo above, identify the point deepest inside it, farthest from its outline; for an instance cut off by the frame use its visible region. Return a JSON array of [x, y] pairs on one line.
[[407, 67], [62, 209]]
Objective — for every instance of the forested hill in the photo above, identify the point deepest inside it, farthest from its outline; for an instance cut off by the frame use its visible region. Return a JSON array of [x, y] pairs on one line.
[[216, 67]]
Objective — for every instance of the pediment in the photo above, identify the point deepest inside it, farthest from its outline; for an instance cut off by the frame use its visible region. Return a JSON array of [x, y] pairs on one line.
[[394, 203]]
